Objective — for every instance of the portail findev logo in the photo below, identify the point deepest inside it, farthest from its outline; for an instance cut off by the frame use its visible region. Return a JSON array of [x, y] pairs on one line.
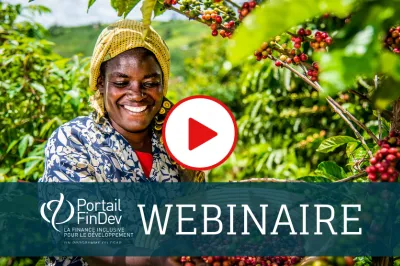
[[86, 213], [56, 210]]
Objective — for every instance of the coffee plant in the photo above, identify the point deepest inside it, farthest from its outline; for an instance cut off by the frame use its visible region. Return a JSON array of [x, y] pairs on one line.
[[311, 83], [39, 91], [384, 163], [281, 122], [392, 40]]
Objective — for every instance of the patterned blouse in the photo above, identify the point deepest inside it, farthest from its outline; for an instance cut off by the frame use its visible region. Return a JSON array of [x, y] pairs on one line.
[[85, 151]]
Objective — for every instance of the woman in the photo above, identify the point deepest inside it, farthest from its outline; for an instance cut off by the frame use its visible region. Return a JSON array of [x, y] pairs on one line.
[[121, 140]]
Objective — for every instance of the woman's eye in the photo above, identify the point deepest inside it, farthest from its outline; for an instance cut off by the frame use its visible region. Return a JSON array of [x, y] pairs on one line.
[[120, 84], [151, 84]]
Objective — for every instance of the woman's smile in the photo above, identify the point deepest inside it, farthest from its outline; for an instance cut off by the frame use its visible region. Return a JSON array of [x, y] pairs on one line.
[[135, 109]]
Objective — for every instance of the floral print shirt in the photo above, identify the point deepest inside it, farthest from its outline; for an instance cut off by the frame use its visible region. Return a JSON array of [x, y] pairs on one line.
[[85, 151]]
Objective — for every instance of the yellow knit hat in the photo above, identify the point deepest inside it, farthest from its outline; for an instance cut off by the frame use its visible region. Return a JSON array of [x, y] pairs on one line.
[[125, 35]]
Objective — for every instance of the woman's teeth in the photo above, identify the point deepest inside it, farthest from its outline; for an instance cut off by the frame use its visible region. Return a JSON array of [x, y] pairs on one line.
[[135, 109]]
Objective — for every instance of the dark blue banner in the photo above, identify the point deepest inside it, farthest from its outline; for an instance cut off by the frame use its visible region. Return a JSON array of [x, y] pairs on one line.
[[192, 219]]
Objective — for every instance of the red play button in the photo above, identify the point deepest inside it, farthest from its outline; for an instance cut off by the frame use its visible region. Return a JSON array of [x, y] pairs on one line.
[[199, 134]]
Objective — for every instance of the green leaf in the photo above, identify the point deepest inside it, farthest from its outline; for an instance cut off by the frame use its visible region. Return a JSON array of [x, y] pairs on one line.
[[314, 178], [38, 87], [147, 9], [351, 147], [330, 144], [277, 16], [340, 67], [12, 144], [159, 9], [4, 171], [357, 155], [286, 79], [90, 3], [130, 5], [386, 93], [23, 145], [390, 63], [41, 262], [119, 6], [43, 9], [26, 141], [330, 170], [363, 260], [29, 170], [47, 126], [28, 159]]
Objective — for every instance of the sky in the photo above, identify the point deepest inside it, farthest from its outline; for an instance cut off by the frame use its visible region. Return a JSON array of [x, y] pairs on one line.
[[73, 12]]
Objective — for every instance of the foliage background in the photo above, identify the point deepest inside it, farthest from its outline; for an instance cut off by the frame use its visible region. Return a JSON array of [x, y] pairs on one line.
[[282, 122]]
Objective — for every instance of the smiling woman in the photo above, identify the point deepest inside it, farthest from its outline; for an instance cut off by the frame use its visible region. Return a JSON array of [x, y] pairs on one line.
[[121, 140], [133, 89]]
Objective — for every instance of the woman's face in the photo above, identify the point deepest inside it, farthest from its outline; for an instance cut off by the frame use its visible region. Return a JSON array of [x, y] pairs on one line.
[[132, 88]]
